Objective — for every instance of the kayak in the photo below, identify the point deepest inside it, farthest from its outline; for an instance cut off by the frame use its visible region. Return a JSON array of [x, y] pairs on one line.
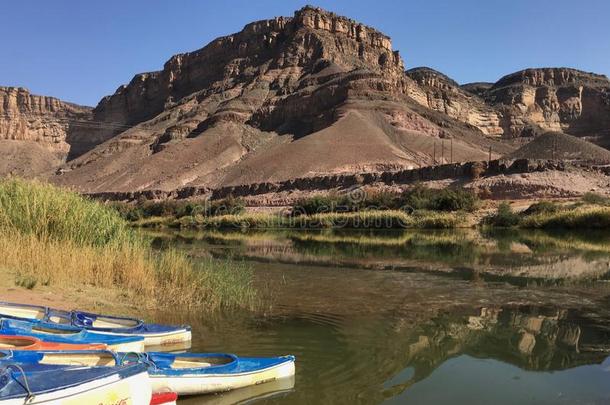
[[74, 386], [8, 342], [52, 333], [185, 373], [153, 334], [204, 373]]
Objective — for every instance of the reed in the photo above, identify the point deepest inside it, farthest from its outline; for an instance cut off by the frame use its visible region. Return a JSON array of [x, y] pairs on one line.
[[582, 217], [387, 219], [50, 236], [41, 210]]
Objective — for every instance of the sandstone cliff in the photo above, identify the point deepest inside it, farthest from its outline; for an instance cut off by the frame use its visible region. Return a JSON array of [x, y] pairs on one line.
[[553, 99], [284, 98], [440, 93], [45, 120], [310, 95]]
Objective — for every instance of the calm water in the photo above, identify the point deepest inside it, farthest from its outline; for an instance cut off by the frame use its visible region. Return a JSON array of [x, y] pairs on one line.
[[457, 317]]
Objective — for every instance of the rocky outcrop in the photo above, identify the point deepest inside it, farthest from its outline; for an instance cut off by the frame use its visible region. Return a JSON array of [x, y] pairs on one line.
[[251, 74], [553, 99], [438, 92], [454, 171], [49, 122], [284, 98]]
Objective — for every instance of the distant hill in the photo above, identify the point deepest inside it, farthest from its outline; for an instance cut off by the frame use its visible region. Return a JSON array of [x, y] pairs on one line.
[[559, 146]]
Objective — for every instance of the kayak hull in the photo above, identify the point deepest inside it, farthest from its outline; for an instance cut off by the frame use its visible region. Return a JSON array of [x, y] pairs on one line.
[[197, 384], [155, 335], [16, 342], [185, 373], [126, 385], [160, 340], [52, 333]]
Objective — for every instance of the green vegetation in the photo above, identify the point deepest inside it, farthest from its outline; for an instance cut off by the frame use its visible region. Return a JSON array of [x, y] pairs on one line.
[[582, 217], [596, 199], [447, 199], [542, 207], [417, 198], [592, 212], [179, 209], [504, 217], [50, 236], [361, 220]]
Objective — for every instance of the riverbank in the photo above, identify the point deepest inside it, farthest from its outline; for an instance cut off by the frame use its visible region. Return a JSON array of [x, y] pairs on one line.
[[57, 240], [590, 211]]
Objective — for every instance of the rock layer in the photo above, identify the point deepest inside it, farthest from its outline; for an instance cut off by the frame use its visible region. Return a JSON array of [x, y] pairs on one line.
[[49, 122], [284, 98], [553, 99], [310, 95]]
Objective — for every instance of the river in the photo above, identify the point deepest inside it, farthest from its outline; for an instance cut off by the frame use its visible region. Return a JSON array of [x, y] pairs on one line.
[[412, 317]]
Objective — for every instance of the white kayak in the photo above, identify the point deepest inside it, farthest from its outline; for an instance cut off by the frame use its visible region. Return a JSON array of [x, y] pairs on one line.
[[154, 335], [184, 374], [37, 384]]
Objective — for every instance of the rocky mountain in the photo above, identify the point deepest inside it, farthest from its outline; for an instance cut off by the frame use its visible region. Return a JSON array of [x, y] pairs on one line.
[[293, 97], [440, 93], [534, 101], [312, 94], [41, 129]]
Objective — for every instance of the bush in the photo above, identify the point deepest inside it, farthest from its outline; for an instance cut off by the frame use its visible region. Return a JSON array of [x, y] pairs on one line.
[[448, 199], [584, 217], [333, 203], [178, 209], [504, 217], [542, 207], [596, 199]]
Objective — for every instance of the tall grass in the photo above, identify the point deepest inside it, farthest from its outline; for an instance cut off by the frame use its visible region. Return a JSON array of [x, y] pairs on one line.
[[387, 219], [50, 236], [41, 210], [583, 217]]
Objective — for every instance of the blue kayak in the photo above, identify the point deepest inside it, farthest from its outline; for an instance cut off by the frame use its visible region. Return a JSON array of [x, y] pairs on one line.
[[68, 334], [42, 384], [185, 374], [153, 334]]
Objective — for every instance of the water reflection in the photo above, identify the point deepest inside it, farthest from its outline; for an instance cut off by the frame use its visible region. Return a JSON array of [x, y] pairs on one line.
[[514, 256], [454, 317]]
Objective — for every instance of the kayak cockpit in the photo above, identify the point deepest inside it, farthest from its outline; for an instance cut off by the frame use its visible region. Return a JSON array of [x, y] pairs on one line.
[[200, 362], [15, 342], [50, 331], [23, 312], [78, 359], [115, 323]]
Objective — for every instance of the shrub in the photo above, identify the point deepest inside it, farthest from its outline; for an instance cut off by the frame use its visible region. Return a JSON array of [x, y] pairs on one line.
[[504, 217], [542, 207], [585, 217], [596, 199], [320, 204], [448, 199], [178, 209]]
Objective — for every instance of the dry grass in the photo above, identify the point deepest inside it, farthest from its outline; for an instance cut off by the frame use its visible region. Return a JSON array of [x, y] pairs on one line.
[[386, 219], [583, 217], [52, 237]]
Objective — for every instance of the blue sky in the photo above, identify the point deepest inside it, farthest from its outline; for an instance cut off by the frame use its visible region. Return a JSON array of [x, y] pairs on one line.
[[82, 50]]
